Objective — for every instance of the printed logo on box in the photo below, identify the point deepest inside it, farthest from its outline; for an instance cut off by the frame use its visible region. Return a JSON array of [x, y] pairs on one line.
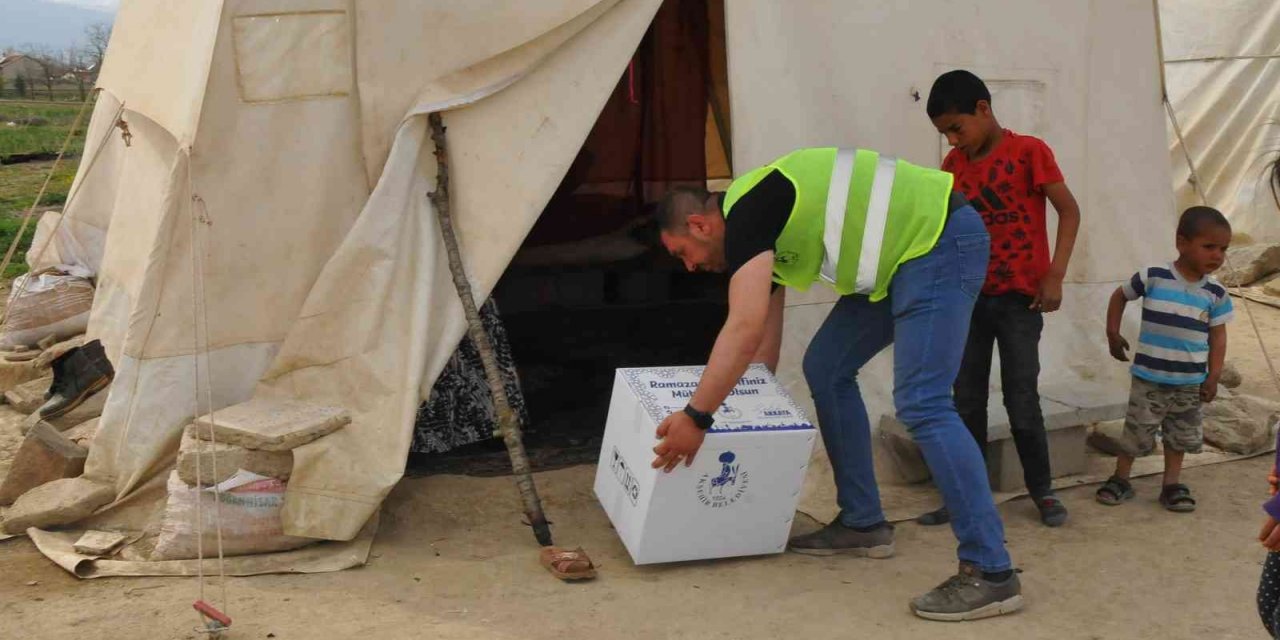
[[727, 487], [622, 472]]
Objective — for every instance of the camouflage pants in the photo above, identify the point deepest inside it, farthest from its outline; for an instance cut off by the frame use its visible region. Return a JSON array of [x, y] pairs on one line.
[[1173, 410]]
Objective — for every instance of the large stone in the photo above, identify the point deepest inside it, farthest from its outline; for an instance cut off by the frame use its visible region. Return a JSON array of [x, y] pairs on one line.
[[57, 350], [1231, 377], [83, 433], [57, 503], [1238, 423], [272, 425], [1107, 437], [1272, 288], [28, 396], [229, 458], [44, 456], [99, 543], [89, 409], [13, 374], [1249, 264]]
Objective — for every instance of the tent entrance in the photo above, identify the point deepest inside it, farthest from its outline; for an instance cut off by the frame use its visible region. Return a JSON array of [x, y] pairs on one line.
[[591, 290]]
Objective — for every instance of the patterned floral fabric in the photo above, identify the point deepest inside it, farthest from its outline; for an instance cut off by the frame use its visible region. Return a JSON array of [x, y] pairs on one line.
[[460, 410]]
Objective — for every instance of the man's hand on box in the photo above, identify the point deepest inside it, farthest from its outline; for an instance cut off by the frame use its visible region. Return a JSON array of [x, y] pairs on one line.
[[680, 440]]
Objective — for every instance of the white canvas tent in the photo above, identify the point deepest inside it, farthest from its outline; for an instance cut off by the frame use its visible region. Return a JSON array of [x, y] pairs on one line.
[[1222, 64], [268, 230]]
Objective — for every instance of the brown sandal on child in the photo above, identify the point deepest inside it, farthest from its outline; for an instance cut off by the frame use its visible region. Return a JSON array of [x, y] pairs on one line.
[[568, 564], [1177, 498]]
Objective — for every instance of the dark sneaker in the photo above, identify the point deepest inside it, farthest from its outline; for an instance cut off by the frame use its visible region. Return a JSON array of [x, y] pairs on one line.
[[837, 538], [969, 596], [1052, 512], [935, 518]]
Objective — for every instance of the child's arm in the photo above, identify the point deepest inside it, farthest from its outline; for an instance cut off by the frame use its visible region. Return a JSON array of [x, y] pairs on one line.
[[1217, 355], [1050, 296], [1115, 311]]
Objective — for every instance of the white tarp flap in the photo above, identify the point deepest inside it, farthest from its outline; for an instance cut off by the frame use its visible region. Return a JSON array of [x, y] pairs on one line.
[[1222, 66], [384, 316], [1080, 74]]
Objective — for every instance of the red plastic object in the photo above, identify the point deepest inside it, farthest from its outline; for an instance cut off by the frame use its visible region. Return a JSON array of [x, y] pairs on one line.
[[208, 611]]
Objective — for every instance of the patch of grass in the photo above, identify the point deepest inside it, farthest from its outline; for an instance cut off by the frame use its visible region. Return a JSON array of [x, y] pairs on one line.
[[19, 184], [26, 136], [8, 230]]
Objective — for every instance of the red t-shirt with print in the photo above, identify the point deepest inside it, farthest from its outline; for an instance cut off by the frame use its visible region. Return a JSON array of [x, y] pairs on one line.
[[1007, 188]]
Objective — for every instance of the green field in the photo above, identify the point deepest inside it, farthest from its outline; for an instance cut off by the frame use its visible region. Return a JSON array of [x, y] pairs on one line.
[[21, 181], [28, 137]]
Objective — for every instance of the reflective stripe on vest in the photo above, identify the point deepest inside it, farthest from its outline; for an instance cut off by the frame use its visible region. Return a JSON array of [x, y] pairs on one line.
[[877, 215], [876, 218], [837, 197]]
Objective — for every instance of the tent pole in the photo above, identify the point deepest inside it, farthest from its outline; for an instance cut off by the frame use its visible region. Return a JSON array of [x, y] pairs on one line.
[[508, 426]]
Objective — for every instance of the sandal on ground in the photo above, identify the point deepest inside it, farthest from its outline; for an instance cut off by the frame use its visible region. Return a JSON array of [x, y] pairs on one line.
[[1114, 491], [567, 564], [1177, 498]]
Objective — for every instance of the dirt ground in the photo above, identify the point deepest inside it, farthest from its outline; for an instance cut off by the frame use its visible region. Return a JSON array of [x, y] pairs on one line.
[[452, 561]]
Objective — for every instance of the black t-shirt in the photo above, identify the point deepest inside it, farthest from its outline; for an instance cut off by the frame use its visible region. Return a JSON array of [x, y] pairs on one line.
[[757, 219]]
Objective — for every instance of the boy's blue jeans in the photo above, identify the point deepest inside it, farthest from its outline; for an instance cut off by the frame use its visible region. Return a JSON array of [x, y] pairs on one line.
[[926, 318]]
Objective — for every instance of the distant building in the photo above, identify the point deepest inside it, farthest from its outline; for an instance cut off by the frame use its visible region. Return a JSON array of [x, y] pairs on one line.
[[16, 64]]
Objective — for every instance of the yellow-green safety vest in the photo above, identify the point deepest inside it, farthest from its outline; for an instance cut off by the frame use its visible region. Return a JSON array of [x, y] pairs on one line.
[[858, 215]]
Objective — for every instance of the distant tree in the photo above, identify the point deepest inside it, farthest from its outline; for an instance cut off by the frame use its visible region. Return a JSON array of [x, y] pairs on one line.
[[20, 84], [1, 86], [98, 36]]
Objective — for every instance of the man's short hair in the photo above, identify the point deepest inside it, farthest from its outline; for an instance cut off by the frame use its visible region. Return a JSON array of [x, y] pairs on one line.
[[1195, 219], [676, 206], [956, 92]]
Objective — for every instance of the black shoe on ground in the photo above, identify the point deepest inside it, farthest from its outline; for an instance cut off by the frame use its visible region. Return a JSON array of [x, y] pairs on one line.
[[1053, 513], [935, 518]]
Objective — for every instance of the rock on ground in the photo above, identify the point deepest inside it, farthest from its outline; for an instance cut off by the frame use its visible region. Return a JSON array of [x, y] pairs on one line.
[[1231, 377], [1239, 423], [1107, 437], [1249, 264], [44, 456], [28, 396], [57, 503], [83, 433]]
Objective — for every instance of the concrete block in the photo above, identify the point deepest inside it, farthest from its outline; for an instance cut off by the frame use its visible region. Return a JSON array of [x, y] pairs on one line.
[[99, 543], [1066, 457], [902, 455], [57, 503], [272, 425], [193, 452], [28, 396], [44, 456]]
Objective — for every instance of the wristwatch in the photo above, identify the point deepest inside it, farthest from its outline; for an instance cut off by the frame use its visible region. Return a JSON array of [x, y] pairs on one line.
[[702, 419]]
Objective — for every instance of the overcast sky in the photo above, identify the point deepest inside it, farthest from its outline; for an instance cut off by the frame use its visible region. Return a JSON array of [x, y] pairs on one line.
[[108, 5]]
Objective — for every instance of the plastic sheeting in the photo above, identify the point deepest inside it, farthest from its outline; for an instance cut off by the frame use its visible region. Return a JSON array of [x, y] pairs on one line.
[[1222, 68]]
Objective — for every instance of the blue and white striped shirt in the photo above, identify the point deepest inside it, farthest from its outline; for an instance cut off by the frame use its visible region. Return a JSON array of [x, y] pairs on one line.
[[1173, 347]]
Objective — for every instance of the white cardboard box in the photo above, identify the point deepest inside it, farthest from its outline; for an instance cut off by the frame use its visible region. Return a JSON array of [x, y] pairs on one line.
[[740, 495]]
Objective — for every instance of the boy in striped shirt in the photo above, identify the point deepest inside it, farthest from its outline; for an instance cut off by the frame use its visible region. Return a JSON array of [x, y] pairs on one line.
[[1179, 357]]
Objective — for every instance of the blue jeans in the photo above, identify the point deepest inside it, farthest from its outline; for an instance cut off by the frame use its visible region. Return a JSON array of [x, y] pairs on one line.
[[926, 318]]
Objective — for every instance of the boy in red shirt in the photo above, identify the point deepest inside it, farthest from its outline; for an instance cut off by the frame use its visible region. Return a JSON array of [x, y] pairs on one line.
[[1007, 177]]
